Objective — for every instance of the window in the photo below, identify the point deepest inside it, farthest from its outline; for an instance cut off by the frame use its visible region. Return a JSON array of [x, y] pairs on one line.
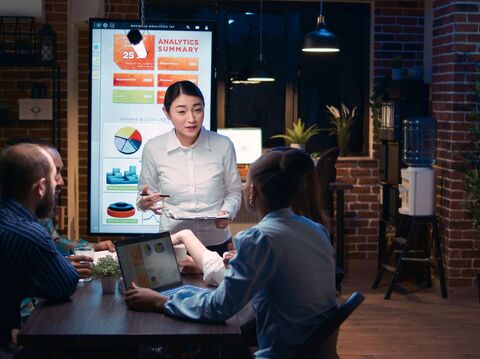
[[305, 83]]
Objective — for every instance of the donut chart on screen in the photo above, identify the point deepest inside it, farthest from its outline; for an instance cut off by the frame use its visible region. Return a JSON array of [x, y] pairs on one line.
[[120, 210], [128, 140]]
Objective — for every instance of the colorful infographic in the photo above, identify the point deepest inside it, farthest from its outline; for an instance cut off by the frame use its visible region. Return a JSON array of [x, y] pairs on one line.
[[127, 96], [127, 140]]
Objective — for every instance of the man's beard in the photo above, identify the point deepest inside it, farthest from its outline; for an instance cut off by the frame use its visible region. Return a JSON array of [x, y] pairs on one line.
[[45, 207]]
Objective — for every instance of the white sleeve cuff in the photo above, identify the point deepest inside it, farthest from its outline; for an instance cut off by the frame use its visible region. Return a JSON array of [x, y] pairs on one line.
[[213, 268]]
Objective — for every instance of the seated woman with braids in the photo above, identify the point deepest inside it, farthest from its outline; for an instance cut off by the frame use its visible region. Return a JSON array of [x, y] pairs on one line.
[[284, 265]]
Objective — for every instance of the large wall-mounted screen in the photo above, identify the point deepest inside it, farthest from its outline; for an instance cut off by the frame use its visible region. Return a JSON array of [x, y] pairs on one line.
[[125, 109]]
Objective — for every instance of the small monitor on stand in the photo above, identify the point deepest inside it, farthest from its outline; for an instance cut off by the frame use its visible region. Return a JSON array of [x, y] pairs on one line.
[[247, 143]]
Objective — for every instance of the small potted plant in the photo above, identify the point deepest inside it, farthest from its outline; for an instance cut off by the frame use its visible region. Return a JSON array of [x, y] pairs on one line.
[[108, 270], [298, 136], [342, 122], [397, 71]]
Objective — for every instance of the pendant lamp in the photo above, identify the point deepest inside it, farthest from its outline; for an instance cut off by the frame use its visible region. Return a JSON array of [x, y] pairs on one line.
[[261, 72], [136, 38], [320, 40]]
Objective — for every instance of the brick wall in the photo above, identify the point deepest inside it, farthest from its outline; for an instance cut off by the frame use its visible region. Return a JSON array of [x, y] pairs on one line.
[[16, 82], [398, 31], [456, 49], [362, 207]]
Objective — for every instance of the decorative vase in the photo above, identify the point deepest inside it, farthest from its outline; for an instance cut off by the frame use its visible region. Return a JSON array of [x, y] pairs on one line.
[[397, 73], [109, 284], [300, 146]]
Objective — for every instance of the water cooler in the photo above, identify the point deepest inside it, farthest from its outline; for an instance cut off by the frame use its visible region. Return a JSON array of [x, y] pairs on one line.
[[417, 189]]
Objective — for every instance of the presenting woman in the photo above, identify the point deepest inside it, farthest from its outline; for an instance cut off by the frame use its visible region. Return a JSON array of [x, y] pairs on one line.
[[195, 167]]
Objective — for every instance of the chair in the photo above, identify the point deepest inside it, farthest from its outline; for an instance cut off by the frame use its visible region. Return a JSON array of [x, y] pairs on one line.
[[323, 342], [326, 171], [327, 174]]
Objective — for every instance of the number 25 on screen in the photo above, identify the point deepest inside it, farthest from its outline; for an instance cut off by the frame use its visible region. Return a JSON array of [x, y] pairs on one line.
[[129, 54]]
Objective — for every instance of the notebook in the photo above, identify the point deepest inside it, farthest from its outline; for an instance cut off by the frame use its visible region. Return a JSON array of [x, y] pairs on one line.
[[150, 262]]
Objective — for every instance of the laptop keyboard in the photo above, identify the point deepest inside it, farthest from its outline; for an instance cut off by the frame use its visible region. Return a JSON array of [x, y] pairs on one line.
[[185, 288]]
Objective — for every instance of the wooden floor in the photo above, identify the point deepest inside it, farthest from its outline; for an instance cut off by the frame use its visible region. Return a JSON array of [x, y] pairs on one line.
[[419, 324]]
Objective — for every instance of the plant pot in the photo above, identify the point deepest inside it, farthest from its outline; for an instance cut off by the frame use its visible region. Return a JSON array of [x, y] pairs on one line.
[[397, 74], [300, 146], [109, 285]]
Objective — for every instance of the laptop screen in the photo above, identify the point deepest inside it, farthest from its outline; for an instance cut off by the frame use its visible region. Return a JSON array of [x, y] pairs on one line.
[[149, 261]]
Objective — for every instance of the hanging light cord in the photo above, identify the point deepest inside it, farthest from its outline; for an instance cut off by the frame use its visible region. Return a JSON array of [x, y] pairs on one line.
[[321, 7], [142, 13], [261, 29]]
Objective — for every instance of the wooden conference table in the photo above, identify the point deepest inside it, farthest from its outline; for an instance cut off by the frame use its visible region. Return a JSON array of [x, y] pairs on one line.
[[92, 320]]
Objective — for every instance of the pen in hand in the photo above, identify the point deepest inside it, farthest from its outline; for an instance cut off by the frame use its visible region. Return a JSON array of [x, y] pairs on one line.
[[148, 194]]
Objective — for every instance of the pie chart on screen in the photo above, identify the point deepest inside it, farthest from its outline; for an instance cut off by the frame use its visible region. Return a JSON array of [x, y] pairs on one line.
[[128, 140]]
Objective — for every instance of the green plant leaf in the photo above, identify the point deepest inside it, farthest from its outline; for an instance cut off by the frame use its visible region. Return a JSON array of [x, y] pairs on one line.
[[298, 133]]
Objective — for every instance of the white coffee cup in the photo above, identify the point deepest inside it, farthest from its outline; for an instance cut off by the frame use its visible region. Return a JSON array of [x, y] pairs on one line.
[[180, 252]]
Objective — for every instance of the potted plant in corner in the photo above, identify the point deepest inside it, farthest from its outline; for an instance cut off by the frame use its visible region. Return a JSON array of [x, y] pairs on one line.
[[108, 270], [341, 124], [298, 136], [397, 71]]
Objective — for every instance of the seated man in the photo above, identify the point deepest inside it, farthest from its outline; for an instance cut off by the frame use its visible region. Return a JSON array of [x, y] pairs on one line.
[[30, 265], [64, 246]]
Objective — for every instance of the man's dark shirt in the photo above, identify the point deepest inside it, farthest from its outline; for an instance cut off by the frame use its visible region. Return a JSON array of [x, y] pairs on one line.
[[30, 265]]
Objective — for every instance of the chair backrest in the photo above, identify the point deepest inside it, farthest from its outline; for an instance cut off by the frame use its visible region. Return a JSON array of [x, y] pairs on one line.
[[325, 168], [323, 342]]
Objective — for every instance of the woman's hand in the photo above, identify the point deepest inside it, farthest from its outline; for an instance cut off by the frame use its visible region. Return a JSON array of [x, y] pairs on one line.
[[150, 200], [222, 223], [103, 246], [227, 256], [144, 299]]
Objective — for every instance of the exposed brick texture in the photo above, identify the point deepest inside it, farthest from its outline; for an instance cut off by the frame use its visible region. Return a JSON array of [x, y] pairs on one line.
[[456, 48], [16, 82], [361, 206], [398, 31]]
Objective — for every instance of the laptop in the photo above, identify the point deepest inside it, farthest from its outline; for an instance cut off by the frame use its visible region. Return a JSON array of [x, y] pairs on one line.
[[150, 262]]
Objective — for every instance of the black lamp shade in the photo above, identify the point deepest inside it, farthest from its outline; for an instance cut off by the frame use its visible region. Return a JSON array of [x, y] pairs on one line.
[[261, 72], [320, 40]]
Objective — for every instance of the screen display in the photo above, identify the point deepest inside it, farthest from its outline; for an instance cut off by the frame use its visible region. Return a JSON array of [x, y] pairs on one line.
[[149, 262], [247, 143], [126, 109]]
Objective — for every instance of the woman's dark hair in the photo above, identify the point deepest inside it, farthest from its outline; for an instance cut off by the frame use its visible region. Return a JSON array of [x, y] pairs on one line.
[[278, 176], [181, 88]]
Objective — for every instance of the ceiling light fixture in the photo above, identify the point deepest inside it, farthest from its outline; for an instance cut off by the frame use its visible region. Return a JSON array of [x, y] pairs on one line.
[[136, 38], [320, 40], [261, 72]]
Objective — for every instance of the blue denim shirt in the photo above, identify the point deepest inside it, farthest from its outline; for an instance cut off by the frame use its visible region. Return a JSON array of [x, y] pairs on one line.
[[284, 266]]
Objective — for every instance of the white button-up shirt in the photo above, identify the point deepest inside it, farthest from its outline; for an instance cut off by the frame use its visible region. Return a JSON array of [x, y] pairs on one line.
[[201, 179]]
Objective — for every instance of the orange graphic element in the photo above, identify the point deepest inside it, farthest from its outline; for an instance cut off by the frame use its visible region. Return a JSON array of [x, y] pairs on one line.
[[160, 97], [178, 63], [133, 80], [139, 265], [126, 58], [165, 80]]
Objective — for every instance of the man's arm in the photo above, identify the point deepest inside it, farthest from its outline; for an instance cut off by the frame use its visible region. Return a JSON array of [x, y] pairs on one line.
[[52, 275]]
